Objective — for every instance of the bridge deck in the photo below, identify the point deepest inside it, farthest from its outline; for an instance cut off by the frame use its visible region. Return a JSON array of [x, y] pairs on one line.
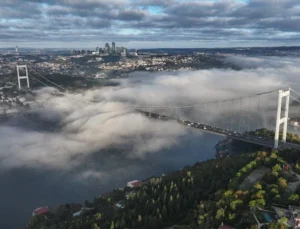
[[258, 140]]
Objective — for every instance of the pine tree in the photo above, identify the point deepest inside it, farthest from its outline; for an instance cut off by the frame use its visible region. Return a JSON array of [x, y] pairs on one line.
[[164, 212], [95, 226], [112, 226], [117, 223]]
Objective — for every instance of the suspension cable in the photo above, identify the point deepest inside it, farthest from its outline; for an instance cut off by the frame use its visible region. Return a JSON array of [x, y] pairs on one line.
[[295, 99], [38, 80], [49, 80]]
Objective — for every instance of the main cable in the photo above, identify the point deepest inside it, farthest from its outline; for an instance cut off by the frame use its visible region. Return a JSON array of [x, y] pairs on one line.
[[49, 80]]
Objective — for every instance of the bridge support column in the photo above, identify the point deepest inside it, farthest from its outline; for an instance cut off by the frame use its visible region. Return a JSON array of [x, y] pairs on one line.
[[279, 119], [24, 76]]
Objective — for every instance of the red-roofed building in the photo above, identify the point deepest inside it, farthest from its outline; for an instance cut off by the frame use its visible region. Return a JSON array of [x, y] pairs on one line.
[[134, 184], [40, 211]]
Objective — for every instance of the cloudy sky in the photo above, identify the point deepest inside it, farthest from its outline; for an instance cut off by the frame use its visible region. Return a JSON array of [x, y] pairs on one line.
[[149, 23]]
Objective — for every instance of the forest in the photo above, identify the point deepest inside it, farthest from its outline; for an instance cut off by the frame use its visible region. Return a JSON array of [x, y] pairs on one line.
[[205, 195]]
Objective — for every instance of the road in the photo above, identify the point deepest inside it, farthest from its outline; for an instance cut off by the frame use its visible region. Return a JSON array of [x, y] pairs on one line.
[[258, 140]]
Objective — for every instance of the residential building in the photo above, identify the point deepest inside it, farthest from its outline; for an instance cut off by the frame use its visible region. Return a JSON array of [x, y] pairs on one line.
[[295, 216], [134, 184], [40, 211], [292, 213]]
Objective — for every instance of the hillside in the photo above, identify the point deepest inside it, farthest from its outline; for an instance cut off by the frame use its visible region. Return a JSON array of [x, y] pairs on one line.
[[236, 191]]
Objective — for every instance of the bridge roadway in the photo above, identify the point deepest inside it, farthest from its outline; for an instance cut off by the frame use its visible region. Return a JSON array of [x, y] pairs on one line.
[[258, 140]]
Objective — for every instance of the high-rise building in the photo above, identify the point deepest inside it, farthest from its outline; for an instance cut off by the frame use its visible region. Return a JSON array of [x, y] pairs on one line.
[[97, 49], [124, 52], [113, 46], [107, 48], [119, 50], [17, 49]]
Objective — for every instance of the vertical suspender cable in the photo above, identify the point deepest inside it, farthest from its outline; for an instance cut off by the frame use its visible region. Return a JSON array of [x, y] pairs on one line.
[[231, 121], [240, 114], [227, 116], [249, 99], [257, 114], [224, 115]]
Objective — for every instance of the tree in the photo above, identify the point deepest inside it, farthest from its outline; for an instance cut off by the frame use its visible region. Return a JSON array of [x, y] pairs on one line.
[[260, 194], [220, 214], [98, 216], [276, 168], [244, 170], [122, 223], [189, 173], [112, 226], [267, 160], [201, 219], [275, 191], [139, 218], [235, 203], [282, 183], [257, 203], [95, 226], [231, 216], [258, 186], [164, 212], [282, 222], [294, 198], [273, 156], [117, 223]]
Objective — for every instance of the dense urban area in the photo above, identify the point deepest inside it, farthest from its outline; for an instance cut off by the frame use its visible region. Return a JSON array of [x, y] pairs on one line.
[[83, 69]]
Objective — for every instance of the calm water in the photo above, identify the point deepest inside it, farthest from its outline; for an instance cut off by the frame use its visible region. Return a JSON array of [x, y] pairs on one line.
[[23, 189]]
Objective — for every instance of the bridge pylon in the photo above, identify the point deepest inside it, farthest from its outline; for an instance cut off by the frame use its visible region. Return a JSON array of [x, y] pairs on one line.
[[24, 76], [279, 120]]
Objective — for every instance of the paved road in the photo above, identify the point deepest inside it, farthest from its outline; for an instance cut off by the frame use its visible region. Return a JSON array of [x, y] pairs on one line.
[[258, 140]]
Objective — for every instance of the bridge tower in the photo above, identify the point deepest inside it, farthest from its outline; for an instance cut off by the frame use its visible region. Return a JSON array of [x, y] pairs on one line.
[[24, 76], [284, 119]]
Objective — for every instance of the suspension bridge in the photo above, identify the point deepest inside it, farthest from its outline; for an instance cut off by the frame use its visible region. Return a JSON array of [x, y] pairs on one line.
[[234, 117]]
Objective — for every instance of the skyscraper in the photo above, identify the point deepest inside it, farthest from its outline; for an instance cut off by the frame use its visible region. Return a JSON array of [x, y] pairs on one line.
[[124, 52], [113, 46], [107, 48], [17, 49]]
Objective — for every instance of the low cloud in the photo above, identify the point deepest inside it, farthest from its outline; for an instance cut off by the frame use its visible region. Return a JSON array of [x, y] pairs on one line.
[[83, 128]]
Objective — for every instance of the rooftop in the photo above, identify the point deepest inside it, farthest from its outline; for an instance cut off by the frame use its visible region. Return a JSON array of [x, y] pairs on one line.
[[41, 211]]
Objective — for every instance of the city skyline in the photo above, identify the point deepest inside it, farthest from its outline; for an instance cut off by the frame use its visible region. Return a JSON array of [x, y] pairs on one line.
[[149, 24]]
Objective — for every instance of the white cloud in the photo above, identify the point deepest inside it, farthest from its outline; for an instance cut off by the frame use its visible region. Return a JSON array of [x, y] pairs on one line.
[[87, 128]]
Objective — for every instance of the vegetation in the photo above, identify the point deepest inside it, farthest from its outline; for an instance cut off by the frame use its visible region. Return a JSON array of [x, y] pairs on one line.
[[202, 196]]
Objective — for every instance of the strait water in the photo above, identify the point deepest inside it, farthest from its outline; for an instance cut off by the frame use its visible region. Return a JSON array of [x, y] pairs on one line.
[[24, 189]]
